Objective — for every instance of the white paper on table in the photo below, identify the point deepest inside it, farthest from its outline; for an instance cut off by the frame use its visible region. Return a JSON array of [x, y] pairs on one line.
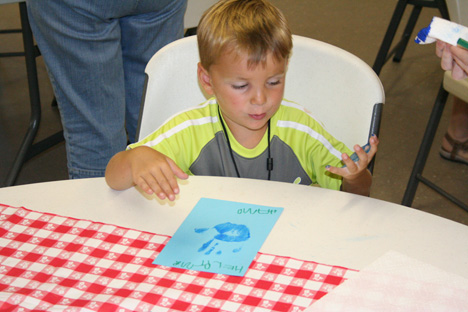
[[395, 282]]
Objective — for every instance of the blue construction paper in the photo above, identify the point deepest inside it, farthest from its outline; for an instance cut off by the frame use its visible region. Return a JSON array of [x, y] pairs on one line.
[[219, 236]]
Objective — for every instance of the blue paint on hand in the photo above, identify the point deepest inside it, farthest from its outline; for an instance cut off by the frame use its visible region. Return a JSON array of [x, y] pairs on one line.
[[227, 233]]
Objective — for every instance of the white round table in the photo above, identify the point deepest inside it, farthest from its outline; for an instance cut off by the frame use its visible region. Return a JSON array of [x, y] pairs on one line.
[[325, 226]]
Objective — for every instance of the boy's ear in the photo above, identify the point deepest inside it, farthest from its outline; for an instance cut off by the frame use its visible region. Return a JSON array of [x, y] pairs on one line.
[[205, 79]]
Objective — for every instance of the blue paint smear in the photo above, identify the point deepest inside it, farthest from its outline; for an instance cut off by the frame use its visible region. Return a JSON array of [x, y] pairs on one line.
[[228, 232], [205, 245], [362, 238]]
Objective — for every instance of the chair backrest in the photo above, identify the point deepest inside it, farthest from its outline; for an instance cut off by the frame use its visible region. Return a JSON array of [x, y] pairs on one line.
[[339, 89]]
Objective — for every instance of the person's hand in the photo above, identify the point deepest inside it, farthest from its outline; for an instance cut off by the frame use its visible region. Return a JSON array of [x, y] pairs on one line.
[[154, 172], [453, 58]]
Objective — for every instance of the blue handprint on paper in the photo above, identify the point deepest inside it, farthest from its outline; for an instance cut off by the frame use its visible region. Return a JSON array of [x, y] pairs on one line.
[[226, 233]]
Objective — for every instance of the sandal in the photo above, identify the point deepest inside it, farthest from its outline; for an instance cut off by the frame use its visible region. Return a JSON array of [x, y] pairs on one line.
[[456, 147]]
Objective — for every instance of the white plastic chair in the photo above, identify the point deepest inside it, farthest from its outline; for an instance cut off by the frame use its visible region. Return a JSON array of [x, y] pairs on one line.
[[458, 10], [339, 89]]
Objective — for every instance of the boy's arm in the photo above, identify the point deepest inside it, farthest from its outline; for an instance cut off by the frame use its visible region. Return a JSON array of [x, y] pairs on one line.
[[360, 185], [357, 179], [151, 170]]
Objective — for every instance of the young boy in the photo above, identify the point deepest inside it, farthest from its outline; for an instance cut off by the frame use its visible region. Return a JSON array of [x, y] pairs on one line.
[[244, 48]]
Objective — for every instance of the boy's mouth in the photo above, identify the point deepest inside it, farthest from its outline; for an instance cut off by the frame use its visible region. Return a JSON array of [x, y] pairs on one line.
[[257, 116]]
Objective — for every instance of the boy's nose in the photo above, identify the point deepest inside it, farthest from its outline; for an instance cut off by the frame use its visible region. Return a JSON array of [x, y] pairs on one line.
[[259, 97]]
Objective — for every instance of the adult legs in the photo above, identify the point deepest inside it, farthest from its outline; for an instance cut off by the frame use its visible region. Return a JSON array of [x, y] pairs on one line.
[[81, 42], [154, 25], [455, 143]]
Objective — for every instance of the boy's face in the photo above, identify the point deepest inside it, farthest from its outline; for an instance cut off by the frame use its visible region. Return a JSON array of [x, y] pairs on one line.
[[247, 96]]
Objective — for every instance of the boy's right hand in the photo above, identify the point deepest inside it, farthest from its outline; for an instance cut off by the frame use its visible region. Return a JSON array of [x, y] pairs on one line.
[[154, 172], [151, 170]]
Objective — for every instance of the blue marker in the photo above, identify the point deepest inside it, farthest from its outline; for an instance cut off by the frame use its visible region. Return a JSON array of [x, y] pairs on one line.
[[422, 35], [444, 30], [354, 157]]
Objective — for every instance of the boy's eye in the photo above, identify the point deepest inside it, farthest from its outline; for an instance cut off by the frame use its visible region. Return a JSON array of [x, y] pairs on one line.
[[239, 87], [274, 83]]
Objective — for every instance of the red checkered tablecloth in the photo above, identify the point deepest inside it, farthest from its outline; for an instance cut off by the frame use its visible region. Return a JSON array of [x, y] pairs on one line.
[[56, 263]]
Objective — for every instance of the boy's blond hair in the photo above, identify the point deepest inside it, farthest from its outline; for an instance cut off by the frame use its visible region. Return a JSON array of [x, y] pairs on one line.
[[254, 27]]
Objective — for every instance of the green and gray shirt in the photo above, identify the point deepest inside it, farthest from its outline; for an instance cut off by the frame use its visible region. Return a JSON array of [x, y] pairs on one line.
[[299, 145]]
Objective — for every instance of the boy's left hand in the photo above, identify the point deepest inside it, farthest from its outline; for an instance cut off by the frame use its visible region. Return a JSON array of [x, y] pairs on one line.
[[353, 170]]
